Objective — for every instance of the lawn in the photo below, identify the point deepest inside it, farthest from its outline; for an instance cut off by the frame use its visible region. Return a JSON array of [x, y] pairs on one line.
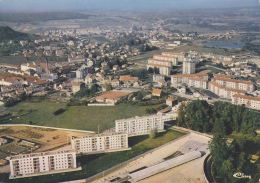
[[75, 117], [93, 164]]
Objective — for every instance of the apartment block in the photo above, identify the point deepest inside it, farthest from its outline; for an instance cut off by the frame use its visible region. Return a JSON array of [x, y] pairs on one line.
[[189, 67], [248, 101], [172, 59], [100, 143], [235, 84], [163, 66], [224, 92], [179, 56], [184, 78], [26, 165], [141, 125], [198, 83]]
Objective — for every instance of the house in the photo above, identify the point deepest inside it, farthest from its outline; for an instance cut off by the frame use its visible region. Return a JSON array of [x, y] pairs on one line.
[[112, 96], [157, 92], [128, 81], [77, 86], [171, 101], [2, 141]]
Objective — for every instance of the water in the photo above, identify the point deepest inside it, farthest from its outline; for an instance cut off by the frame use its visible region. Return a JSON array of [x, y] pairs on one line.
[[225, 44]]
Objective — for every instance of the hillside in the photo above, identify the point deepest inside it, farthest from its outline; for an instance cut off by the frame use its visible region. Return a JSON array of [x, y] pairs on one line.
[[40, 17], [7, 33]]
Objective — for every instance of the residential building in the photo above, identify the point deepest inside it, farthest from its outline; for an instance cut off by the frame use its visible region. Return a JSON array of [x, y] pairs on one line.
[[157, 92], [141, 125], [100, 143], [172, 59], [188, 67], [112, 96], [179, 56], [248, 101], [163, 66], [198, 83], [184, 78], [2, 141], [157, 77], [235, 84], [42, 163]]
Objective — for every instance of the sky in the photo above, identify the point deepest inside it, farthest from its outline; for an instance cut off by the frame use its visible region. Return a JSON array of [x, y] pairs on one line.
[[69, 5]]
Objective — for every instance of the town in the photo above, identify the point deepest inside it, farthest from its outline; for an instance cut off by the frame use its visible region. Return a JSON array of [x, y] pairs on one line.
[[163, 75]]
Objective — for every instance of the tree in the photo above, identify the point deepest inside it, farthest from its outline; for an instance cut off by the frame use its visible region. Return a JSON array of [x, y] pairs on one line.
[[109, 87], [150, 86], [153, 133]]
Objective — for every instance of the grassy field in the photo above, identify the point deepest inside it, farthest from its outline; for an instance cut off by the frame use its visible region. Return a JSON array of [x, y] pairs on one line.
[[93, 164], [75, 117]]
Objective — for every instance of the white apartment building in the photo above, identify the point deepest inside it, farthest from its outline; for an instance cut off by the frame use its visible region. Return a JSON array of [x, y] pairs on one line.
[[180, 56], [198, 83], [26, 165], [163, 69], [188, 67], [158, 77], [248, 101], [100, 143], [141, 125], [184, 78], [224, 92], [235, 84], [172, 59]]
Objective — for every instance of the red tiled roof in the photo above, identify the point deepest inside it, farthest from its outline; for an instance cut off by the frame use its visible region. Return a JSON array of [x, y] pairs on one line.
[[198, 79], [246, 97], [157, 91], [189, 75], [233, 80], [216, 84], [113, 95]]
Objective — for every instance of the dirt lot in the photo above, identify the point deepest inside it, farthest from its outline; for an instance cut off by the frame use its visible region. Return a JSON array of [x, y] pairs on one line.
[[45, 138]]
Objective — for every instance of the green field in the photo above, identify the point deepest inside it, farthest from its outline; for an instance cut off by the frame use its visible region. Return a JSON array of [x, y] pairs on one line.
[[93, 164], [75, 117]]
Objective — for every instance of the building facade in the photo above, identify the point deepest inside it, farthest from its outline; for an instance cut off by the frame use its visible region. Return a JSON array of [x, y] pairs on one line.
[[188, 67], [42, 163], [235, 84], [198, 83], [100, 143], [141, 125], [184, 78], [248, 101]]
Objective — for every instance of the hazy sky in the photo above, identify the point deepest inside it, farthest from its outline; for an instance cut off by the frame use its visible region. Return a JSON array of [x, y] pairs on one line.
[[61, 5]]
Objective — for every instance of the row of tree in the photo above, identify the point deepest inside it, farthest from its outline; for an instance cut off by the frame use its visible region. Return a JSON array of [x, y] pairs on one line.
[[220, 118]]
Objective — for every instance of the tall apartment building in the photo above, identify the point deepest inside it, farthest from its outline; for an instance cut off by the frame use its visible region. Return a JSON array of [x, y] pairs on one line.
[[184, 78], [42, 163], [141, 125], [235, 84], [99, 143], [188, 67], [248, 101]]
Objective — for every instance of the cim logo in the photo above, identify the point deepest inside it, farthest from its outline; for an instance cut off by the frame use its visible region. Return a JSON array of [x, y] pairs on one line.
[[240, 175]]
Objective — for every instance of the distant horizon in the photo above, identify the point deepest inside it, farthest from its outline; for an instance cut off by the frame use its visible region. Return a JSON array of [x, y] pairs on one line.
[[29, 6]]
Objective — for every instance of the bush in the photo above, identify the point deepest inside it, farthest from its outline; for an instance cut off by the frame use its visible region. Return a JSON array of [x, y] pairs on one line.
[[153, 133]]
